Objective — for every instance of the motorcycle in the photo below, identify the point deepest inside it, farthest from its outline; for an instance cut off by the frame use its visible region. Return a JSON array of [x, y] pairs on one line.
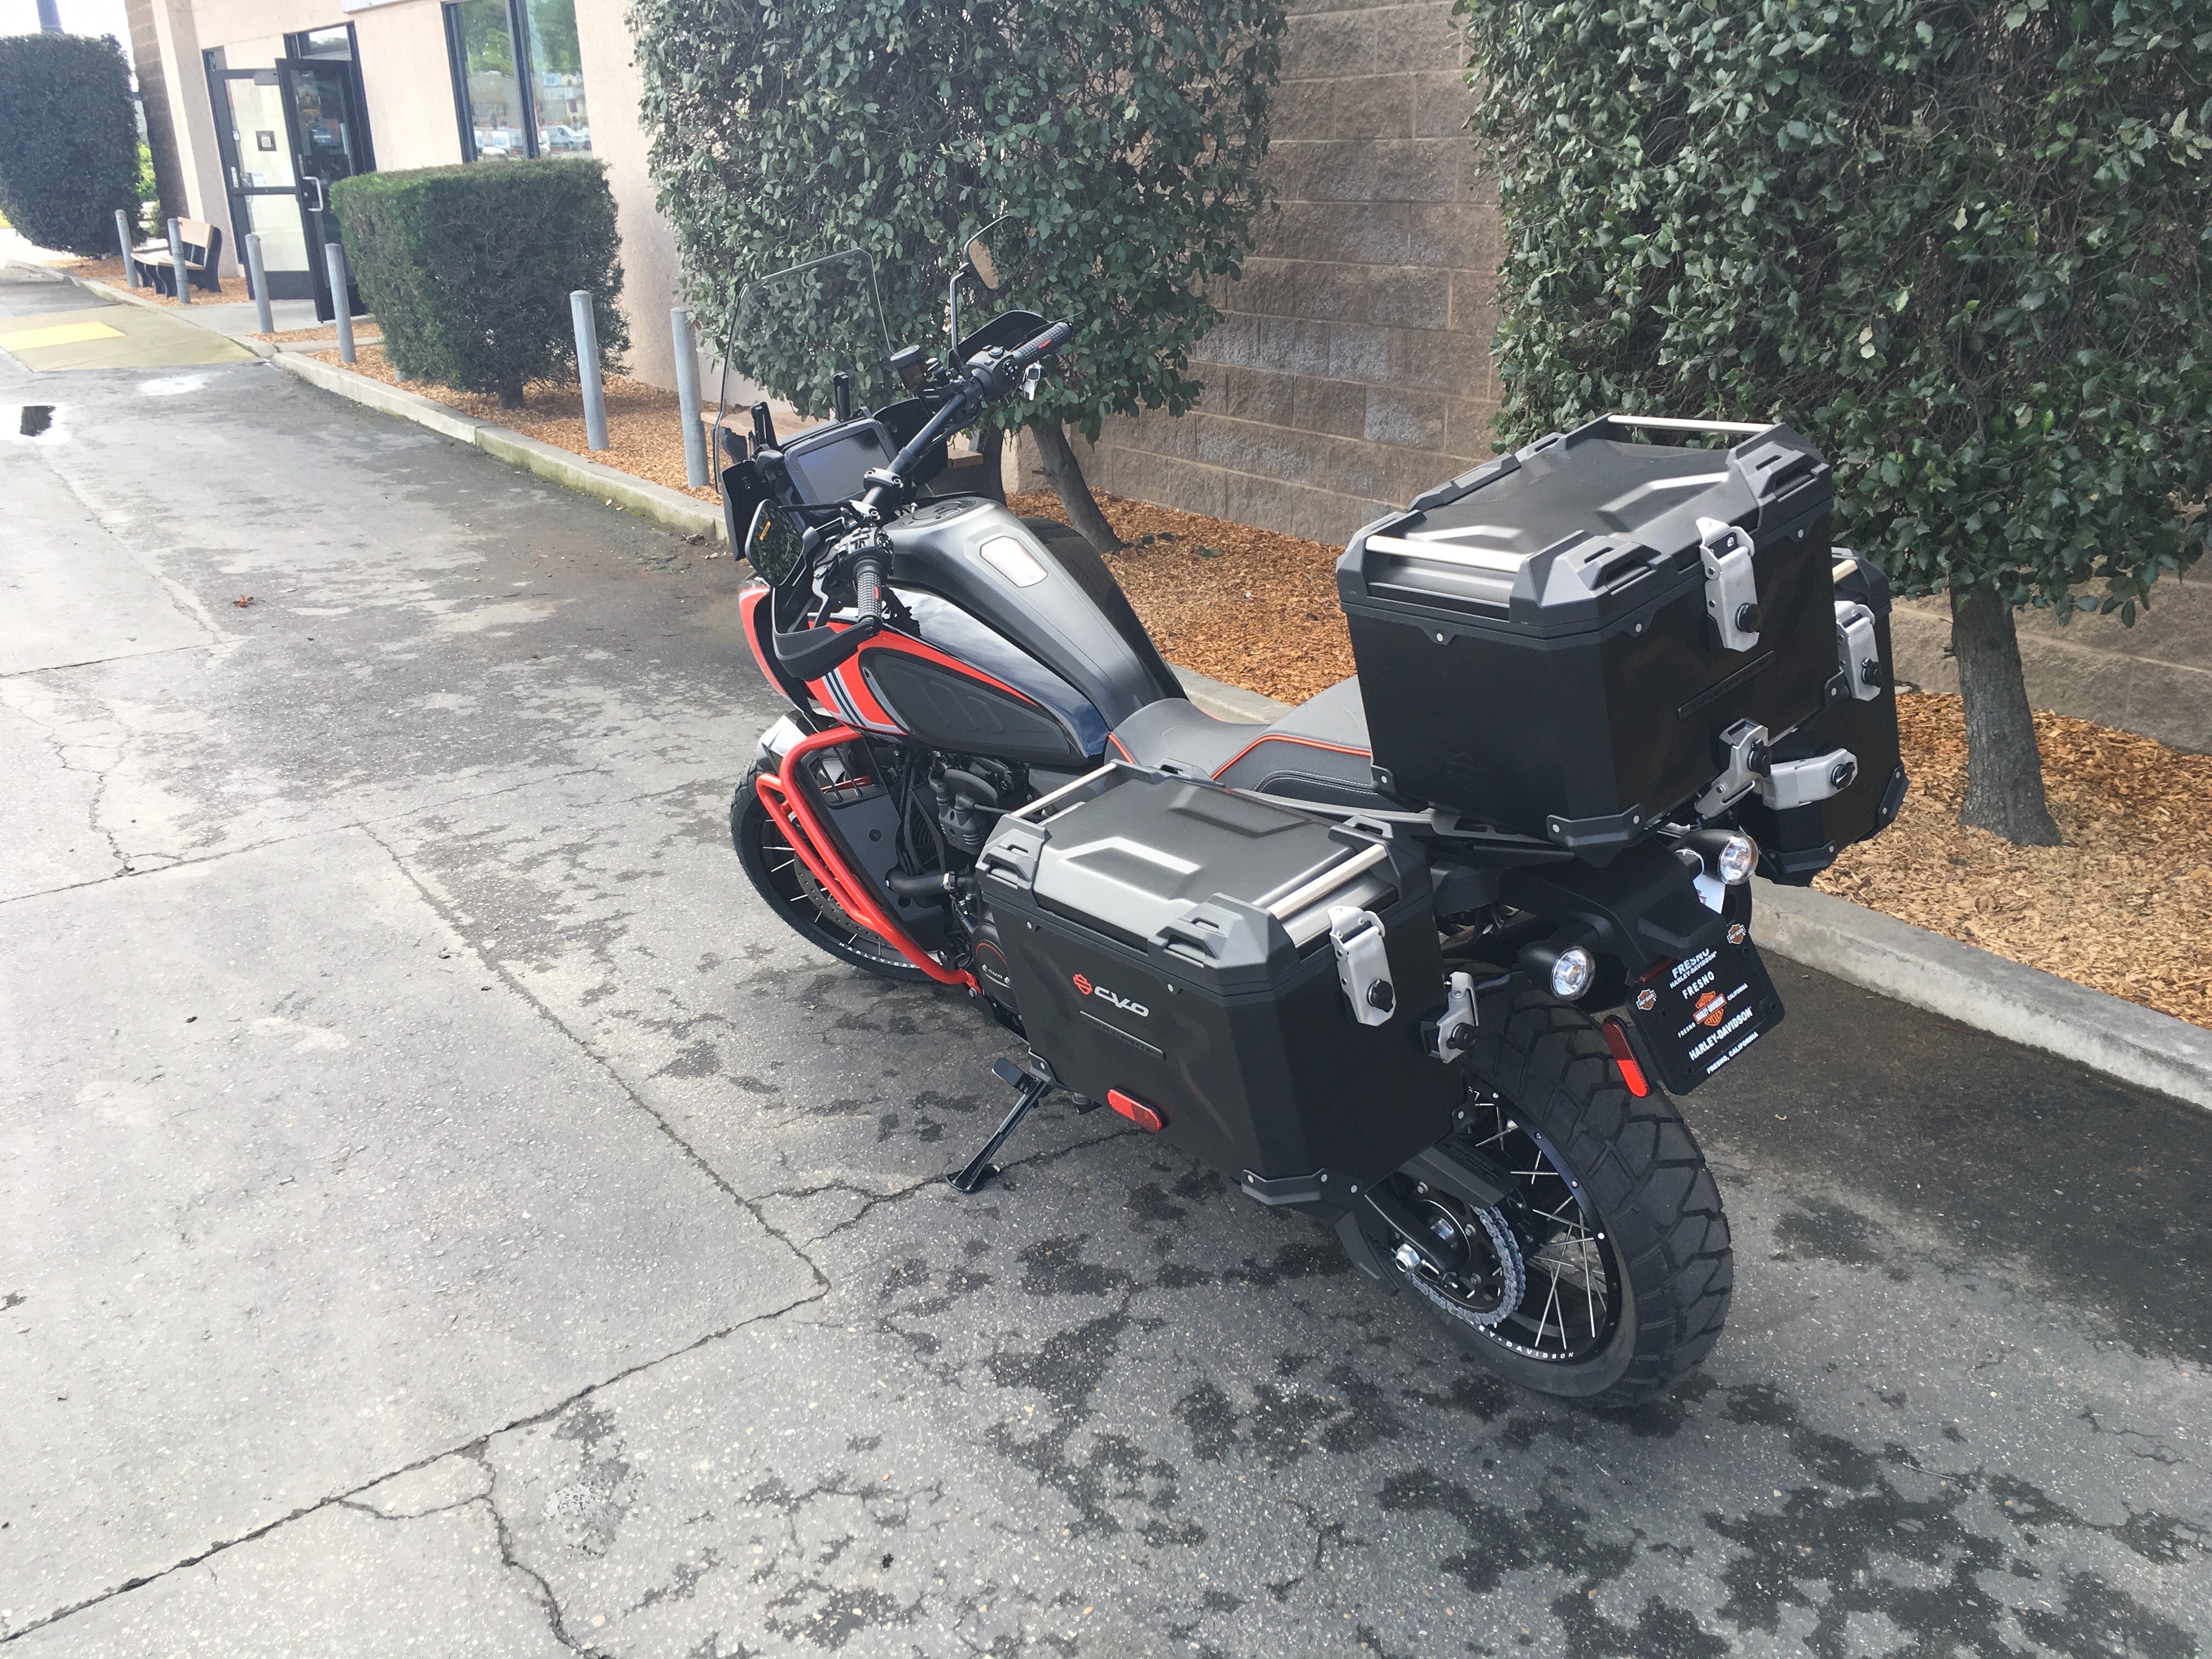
[[1373, 959]]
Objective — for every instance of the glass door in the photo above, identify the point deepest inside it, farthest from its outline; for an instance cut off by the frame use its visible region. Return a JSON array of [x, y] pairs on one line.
[[254, 137], [326, 145]]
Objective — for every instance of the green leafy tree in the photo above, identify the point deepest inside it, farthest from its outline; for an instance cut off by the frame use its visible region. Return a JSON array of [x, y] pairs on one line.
[[1961, 244], [1127, 135], [69, 140]]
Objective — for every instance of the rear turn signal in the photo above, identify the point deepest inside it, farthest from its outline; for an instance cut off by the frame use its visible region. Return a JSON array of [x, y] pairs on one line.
[[1136, 1111], [1616, 1038]]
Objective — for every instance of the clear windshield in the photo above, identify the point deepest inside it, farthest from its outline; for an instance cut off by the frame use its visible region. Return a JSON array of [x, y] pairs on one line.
[[792, 332]]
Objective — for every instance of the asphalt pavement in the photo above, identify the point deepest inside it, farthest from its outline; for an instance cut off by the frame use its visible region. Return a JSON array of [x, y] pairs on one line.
[[442, 1213]]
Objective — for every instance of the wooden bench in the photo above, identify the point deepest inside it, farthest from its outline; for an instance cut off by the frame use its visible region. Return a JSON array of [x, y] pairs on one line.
[[202, 257]]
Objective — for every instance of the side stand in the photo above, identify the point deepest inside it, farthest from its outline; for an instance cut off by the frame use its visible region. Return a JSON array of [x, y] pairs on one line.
[[1033, 1089]]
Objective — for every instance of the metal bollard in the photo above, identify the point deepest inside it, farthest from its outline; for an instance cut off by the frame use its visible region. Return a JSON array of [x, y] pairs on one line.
[[258, 274], [587, 370], [178, 279], [687, 399], [123, 241], [334, 259]]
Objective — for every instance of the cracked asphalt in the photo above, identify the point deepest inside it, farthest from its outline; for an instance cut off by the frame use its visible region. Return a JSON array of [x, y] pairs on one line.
[[442, 1212]]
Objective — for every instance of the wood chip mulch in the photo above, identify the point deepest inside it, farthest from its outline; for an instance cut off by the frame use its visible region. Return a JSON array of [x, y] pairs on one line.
[[645, 432], [2125, 906]]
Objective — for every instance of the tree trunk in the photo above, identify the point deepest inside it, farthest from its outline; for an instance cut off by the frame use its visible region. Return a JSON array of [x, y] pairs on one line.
[[510, 396], [2004, 769], [991, 445], [1066, 475]]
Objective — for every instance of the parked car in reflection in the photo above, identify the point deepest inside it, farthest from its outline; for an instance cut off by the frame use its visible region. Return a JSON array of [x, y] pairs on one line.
[[561, 137]]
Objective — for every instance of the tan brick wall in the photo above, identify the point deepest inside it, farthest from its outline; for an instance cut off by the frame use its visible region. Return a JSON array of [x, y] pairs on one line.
[[1351, 368]]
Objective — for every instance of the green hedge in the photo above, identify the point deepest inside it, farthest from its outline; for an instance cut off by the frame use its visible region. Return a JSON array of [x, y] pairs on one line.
[[69, 140], [1965, 245], [468, 269]]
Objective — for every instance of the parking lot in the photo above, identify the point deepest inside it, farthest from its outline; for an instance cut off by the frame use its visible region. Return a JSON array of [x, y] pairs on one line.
[[447, 1214]]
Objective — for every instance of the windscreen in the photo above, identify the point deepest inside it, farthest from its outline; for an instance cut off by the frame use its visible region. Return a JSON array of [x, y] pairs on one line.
[[792, 331]]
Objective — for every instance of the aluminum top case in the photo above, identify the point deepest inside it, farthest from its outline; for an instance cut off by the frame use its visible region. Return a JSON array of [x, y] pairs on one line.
[[1574, 639], [1252, 979]]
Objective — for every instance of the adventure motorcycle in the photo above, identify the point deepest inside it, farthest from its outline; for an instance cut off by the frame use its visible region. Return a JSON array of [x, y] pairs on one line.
[[1422, 957]]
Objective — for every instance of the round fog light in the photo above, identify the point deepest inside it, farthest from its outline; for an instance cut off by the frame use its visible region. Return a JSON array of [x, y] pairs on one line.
[[1571, 973], [1739, 857]]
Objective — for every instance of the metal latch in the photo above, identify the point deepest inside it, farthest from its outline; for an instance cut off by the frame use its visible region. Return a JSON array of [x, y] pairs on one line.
[[1362, 965], [1731, 584], [1747, 744], [1806, 782], [1452, 1033], [1855, 649]]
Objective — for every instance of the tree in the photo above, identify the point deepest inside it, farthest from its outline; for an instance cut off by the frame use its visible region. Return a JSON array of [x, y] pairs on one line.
[[1964, 245], [1126, 134], [69, 140]]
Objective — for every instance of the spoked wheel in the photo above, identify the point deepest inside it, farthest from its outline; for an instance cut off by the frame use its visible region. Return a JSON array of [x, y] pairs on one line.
[[781, 877], [1605, 1273]]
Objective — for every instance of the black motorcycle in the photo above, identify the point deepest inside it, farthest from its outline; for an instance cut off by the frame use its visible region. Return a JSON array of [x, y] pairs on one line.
[[1422, 959]]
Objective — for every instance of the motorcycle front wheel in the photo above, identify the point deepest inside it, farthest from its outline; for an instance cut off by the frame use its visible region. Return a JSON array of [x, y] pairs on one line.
[[1605, 1275], [779, 875]]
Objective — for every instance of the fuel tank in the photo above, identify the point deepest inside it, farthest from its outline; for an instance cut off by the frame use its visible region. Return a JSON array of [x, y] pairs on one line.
[[1042, 591]]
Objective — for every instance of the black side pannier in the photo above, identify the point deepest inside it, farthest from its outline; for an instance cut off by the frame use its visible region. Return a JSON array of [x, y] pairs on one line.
[[1570, 641], [1849, 748], [1247, 980]]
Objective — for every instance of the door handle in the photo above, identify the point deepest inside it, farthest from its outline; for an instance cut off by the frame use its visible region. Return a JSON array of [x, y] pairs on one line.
[[311, 192]]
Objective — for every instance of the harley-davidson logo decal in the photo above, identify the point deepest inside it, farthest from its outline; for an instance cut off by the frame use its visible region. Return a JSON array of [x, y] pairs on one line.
[[1082, 985], [1711, 1009]]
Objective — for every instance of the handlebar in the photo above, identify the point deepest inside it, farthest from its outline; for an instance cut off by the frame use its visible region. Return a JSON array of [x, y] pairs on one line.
[[1041, 347], [867, 587]]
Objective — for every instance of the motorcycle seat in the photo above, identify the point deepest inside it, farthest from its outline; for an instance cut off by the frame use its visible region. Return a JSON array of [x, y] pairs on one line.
[[1318, 752]]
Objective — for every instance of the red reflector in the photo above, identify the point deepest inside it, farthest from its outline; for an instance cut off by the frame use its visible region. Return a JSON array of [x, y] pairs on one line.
[[1616, 1038], [1135, 1111]]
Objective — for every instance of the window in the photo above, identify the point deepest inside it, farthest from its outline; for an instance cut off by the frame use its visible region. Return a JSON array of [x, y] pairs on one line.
[[518, 78]]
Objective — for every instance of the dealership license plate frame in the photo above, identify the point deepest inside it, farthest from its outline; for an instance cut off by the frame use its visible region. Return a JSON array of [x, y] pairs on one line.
[[1707, 1009]]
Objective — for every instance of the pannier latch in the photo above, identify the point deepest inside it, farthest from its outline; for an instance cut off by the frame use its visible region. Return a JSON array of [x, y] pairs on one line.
[[1731, 584], [1807, 782], [1747, 744], [1856, 650], [1362, 965], [1452, 1033]]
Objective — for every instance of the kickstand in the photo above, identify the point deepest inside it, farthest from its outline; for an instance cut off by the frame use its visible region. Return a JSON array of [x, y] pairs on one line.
[[1033, 1089]]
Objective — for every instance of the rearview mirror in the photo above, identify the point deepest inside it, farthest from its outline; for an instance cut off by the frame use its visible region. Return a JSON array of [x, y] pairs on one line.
[[773, 544], [978, 252]]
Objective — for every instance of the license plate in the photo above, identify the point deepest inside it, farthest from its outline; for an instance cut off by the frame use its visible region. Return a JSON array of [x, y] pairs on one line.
[[1706, 1010]]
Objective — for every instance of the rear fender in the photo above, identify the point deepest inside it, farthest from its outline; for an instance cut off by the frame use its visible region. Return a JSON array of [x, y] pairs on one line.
[[1641, 909]]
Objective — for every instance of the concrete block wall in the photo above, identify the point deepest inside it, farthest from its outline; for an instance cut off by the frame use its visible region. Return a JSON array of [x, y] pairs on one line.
[[1351, 369], [2155, 678]]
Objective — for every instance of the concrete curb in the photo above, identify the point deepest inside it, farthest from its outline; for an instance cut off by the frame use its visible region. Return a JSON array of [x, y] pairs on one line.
[[2115, 1038], [668, 509], [1966, 983]]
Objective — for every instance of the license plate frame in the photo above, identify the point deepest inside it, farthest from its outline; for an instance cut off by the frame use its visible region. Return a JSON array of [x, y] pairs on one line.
[[1707, 1009]]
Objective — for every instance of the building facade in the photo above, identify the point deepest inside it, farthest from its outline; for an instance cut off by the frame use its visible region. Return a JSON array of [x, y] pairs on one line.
[[255, 106]]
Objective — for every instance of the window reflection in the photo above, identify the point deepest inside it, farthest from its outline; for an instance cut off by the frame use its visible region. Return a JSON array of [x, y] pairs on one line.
[[524, 101]]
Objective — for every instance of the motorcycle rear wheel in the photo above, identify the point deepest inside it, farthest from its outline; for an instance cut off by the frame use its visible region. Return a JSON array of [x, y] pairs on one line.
[[791, 892], [1625, 1262]]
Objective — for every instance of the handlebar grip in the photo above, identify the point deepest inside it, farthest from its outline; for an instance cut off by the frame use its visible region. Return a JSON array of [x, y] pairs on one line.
[[1044, 345], [867, 587]]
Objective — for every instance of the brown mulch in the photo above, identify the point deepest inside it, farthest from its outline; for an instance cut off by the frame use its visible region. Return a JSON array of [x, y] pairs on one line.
[[364, 333], [2124, 906], [645, 431]]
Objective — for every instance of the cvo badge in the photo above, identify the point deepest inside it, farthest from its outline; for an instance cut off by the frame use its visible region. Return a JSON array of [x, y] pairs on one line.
[[1084, 988]]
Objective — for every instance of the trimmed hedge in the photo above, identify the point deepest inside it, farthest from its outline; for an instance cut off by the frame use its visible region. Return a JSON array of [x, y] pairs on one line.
[[69, 140], [468, 269]]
